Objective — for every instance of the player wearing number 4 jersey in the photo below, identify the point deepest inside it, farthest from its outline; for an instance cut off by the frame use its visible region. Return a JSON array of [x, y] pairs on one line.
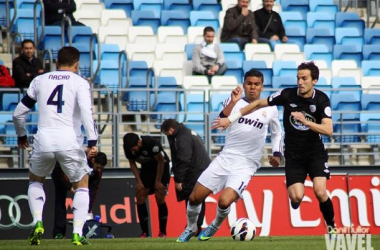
[[64, 103], [231, 171]]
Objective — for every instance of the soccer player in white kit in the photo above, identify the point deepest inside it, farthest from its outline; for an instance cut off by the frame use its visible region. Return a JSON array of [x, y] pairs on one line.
[[64, 103], [231, 171]]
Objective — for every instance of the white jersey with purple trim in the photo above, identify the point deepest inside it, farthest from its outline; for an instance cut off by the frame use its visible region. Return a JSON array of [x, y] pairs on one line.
[[64, 103], [246, 137]]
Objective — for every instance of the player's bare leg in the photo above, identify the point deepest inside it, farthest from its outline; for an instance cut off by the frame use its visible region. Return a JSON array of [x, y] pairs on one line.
[[325, 203], [227, 197], [197, 196], [296, 193]]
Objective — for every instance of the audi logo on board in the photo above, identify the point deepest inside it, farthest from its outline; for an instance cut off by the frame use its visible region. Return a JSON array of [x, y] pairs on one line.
[[11, 211]]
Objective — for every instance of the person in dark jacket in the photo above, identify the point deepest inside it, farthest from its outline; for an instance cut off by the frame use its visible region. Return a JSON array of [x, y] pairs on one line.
[[55, 10], [189, 159], [26, 66], [153, 178], [62, 185], [269, 23], [239, 25]]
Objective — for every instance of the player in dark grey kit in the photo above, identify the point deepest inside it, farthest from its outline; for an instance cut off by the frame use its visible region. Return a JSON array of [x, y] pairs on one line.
[[153, 178], [307, 115]]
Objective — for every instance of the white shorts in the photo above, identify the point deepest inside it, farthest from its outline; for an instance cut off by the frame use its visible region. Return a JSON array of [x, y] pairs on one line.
[[73, 163], [230, 171]]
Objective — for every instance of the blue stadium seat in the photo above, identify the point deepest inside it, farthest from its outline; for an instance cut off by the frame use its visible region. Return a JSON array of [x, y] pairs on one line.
[[81, 34], [204, 18], [189, 50], [175, 18], [33, 120], [3, 14], [232, 52], [348, 52], [284, 68], [346, 102], [262, 67], [26, 4], [371, 68], [301, 6], [234, 69], [370, 125], [108, 74], [208, 5], [195, 119], [11, 137], [137, 68], [320, 36], [51, 40], [24, 23], [323, 6], [9, 100], [150, 5], [370, 102], [167, 100], [84, 60], [5, 118], [318, 52], [324, 86], [126, 5], [295, 27], [108, 51], [180, 5], [346, 86], [347, 123], [350, 20], [371, 52], [280, 82], [137, 100], [349, 36], [146, 18], [372, 36], [321, 20]]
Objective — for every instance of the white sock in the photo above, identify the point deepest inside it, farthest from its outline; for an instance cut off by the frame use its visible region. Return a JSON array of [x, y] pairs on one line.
[[192, 216], [80, 208], [36, 199], [221, 214]]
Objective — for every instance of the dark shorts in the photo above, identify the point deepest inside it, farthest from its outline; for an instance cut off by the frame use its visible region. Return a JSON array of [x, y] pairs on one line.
[[299, 165], [148, 174]]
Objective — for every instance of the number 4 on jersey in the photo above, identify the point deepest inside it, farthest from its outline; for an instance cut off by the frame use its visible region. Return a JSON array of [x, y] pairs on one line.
[[59, 103]]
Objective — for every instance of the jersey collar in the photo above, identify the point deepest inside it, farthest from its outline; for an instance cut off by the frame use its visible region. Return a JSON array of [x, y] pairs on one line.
[[312, 96]]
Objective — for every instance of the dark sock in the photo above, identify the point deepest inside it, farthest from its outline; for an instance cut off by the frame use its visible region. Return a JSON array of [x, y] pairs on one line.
[[201, 215], [142, 212], [163, 216], [327, 210]]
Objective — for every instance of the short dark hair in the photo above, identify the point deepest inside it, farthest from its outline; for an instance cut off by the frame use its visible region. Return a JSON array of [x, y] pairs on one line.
[[254, 72], [27, 41], [314, 70], [101, 158], [130, 140], [208, 29], [68, 56], [168, 124]]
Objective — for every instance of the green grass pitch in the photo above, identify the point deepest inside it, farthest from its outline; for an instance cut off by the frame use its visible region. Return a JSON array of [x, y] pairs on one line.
[[259, 243]]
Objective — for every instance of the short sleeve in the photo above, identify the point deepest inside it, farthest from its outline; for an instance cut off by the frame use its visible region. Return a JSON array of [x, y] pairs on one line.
[[277, 98], [325, 108], [32, 90]]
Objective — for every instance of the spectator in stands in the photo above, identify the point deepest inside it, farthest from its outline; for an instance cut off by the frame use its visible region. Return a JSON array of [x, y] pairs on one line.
[[62, 185], [269, 23], [26, 66], [208, 58], [6, 80], [239, 25], [55, 10]]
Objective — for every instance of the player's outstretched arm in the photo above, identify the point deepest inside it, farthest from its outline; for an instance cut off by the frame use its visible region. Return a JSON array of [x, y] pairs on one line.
[[224, 123]]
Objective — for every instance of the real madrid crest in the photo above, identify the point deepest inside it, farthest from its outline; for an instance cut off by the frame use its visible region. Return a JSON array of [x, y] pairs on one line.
[[313, 108], [264, 114]]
